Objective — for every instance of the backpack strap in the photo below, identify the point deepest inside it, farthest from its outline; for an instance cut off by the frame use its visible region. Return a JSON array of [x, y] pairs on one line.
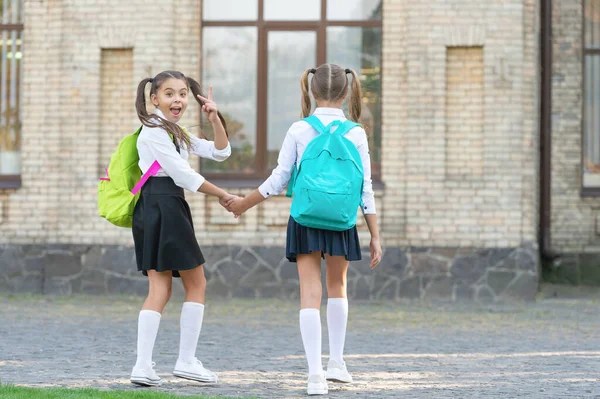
[[342, 127], [345, 127], [152, 171], [315, 123]]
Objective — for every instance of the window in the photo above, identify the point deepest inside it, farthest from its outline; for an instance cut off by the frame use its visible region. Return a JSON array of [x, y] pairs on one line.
[[11, 67], [253, 54]]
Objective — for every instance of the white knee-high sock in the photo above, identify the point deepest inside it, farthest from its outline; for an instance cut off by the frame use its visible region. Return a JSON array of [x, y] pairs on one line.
[[192, 314], [337, 319], [148, 322], [310, 328]]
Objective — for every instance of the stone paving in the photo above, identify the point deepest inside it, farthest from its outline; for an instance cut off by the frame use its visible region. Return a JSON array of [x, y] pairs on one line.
[[396, 349]]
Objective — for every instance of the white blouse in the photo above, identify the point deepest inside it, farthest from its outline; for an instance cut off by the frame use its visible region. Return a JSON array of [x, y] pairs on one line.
[[294, 144], [155, 144]]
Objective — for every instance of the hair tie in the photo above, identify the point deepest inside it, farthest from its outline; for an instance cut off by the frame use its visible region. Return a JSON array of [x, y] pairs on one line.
[[313, 70], [348, 70]]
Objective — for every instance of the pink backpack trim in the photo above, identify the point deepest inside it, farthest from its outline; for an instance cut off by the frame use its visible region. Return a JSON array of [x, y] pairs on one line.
[[152, 171]]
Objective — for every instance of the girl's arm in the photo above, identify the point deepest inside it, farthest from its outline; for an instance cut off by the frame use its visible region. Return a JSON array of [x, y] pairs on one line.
[[219, 149], [239, 205], [163, 150], [221, 141], [368, 198], [276, 182], [210, 189], [375, 245], [208, 149]]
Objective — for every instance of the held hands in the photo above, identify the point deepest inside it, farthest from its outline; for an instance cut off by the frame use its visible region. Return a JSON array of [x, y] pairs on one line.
[[209, 107], [237, 206], [233, 204], [223, 201]]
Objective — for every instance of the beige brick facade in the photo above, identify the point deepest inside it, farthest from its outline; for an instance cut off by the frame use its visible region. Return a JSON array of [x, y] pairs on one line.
[[494, 209], [574, 218], [464, 113], [459, 117], [458, 198]]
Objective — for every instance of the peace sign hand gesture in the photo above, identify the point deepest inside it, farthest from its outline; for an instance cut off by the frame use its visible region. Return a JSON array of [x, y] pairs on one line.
[[209, 107]]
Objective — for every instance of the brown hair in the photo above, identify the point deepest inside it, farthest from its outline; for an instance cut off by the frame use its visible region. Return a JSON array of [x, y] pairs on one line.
[[153, 120], [330, 83]]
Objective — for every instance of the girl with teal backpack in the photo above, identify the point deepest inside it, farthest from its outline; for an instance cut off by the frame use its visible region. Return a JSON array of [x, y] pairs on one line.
[[163, 231], [325, 162]]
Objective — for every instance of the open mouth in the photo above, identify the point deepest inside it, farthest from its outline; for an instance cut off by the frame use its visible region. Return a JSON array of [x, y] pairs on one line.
[[176, 111]]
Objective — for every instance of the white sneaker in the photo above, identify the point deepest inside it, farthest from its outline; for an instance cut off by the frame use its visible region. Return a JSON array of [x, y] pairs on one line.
[[194, 371], [146, 376], [338, 372], [317, 385]]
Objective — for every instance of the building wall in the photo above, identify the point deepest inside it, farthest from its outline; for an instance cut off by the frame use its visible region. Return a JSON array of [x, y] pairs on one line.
[[575, 227], [574, 218], [457, 209]]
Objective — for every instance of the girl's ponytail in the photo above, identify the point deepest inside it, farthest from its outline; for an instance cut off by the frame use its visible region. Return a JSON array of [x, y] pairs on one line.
[[140, 102], [153, 120], [197, 90], [355, 97], [306, 104]]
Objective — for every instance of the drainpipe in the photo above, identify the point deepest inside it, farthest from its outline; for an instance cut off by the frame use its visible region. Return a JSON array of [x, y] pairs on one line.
[[545, 129]]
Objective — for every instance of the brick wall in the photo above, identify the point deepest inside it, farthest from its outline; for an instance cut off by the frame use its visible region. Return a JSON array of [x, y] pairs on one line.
[[116, 72], [573, 217], [464, 113], [68, 88], [428, 119], [493, 210], [456, 74]]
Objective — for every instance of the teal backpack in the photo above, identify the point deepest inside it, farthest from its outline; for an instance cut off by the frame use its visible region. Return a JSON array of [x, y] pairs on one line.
[[327, 184]]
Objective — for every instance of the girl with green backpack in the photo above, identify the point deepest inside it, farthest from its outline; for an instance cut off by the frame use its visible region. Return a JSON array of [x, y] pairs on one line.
[[325, 162], [163, 232]]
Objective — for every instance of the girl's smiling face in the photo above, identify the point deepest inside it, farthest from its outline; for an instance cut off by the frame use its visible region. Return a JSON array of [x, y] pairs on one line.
[[171, 98]]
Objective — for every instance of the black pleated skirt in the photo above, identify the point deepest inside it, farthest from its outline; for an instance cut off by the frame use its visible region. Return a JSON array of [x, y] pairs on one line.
[[303, 240], [163, 231]]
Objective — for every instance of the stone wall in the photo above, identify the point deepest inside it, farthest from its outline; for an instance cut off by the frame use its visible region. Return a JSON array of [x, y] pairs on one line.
[[264, 272]]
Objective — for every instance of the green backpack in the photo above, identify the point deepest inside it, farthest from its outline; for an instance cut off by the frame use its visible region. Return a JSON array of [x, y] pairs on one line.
[[118, 192]]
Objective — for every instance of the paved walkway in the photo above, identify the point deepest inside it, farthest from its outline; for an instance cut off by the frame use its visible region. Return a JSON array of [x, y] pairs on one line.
[[548, 349]]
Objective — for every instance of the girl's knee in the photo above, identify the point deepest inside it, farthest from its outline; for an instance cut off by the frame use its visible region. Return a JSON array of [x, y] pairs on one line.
[[336, 284], [312, 292], [201, 280], [194, 282], [163, 293]]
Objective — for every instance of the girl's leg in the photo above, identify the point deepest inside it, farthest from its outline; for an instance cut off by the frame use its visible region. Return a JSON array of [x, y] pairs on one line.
[[148, 321], [309, 271], [159, 292], [149, 318], [337, 305], [192, 312], [192, 315], [337, 317]]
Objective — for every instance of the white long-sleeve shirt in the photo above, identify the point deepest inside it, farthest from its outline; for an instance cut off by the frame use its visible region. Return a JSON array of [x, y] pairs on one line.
[[294, 144], [155, 144]]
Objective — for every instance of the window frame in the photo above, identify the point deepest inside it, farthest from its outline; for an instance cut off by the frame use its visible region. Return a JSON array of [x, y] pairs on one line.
[[14, 181], [261, 168]]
